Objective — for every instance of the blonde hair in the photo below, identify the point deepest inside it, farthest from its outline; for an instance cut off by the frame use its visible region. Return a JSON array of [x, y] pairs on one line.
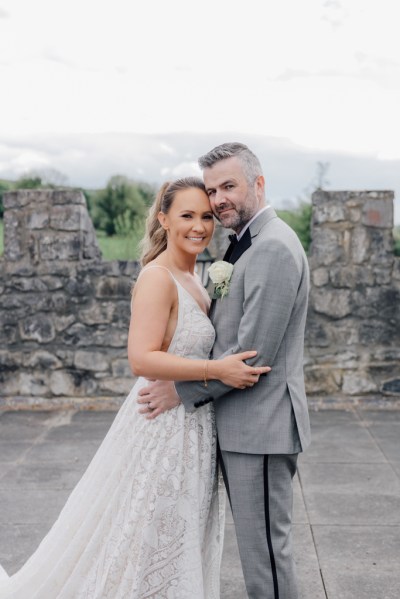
[[155, 238]]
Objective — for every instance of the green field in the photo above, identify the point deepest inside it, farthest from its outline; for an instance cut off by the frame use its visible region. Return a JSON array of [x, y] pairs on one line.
[[119, 247]]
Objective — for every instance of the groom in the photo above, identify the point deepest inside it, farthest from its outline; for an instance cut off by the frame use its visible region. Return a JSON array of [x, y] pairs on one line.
[[261, 429]]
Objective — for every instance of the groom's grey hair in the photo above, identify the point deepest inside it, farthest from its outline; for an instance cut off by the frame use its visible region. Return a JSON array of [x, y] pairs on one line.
[[249, 161]]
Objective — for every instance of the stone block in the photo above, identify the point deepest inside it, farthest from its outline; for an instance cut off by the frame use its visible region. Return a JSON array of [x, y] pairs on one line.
[[35, 384], [364, 275], [91, 360], [23, 197], [120, 368], [66, 356], [53, 282], [68, 196], [327, 246], [320, 380], [317, 333], [385, 354], [80, 287], [57, 269], [38, 219], [60, 247], [360, 243], [77, 335], [345, 333], [9, 385], [63, 322], [110, 287], [354, 215], [342, 276], [358, 383], [320, 277], [396, 269], [114, 337], [120, 386], [381, 247], [11, 301], [42, 359], [378, 212], [90, 248], [8, 333], [98, 313], [14, 246], [67, 217], [335, 303], [37, 328], [374, 331], [27, 284], [72, 383], [332, 212]]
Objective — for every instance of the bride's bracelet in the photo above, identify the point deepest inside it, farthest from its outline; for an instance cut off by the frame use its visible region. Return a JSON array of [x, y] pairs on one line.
[[205, 372]]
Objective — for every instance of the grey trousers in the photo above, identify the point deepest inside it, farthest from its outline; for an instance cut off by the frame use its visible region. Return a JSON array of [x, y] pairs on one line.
[[261, 497]]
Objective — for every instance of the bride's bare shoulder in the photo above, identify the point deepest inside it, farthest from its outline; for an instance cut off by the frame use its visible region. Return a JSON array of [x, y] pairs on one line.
[[154, 279]]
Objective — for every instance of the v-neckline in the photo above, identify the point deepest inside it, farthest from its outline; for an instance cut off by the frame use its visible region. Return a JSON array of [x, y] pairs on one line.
[[191, 296]]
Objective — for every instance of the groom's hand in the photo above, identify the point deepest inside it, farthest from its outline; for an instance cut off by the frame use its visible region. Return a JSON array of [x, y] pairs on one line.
[[158, 397]]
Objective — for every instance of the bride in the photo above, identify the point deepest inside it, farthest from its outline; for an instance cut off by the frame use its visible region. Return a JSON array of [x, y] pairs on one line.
[[146, 518]]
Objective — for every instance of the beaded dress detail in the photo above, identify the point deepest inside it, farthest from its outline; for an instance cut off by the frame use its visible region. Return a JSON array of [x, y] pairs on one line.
[[146, 519]]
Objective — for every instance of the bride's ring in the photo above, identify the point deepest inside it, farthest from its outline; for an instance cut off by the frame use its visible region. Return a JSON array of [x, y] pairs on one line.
[[149, 407]]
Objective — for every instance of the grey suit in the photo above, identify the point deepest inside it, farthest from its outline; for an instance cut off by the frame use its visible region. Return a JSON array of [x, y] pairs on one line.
[[265, 310]]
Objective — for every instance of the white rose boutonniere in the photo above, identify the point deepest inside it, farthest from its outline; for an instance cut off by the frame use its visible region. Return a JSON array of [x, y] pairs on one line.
[[220, 274]]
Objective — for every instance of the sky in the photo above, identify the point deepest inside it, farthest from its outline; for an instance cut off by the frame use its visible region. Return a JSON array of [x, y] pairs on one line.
[[141, 87]]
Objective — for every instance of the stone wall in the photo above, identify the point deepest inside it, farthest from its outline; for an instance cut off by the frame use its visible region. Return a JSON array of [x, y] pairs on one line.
[[64, 312], [353, 327]]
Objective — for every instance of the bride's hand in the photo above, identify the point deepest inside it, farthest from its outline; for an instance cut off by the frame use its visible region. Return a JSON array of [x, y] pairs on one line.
[[234, 372]]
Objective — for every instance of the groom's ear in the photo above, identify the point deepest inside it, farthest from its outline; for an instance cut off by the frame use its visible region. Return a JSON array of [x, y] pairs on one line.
[[259, 186]]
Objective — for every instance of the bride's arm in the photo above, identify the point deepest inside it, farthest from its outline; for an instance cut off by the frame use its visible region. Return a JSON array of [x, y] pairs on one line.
[[153, 301]]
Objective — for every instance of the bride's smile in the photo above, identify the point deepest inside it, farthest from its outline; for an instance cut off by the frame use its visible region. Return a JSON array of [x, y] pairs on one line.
[[189, 222]]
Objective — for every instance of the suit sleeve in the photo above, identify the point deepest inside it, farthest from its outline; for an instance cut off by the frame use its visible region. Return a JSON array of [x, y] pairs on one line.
[[271, 281]]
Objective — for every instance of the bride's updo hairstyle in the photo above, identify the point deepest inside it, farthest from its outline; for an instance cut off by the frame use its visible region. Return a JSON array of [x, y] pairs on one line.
[[155, 238]]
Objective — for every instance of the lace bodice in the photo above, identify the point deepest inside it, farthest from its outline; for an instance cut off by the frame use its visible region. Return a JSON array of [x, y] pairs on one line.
[[194, 334]]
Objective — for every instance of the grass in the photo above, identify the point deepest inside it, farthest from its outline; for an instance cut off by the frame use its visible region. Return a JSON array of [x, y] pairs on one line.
[[119, 247]]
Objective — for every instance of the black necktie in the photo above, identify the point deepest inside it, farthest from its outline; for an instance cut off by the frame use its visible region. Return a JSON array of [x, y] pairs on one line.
[[234, 240]]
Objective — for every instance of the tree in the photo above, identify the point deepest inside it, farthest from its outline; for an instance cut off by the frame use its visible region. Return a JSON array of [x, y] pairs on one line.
[[120, 205], [300, 221]]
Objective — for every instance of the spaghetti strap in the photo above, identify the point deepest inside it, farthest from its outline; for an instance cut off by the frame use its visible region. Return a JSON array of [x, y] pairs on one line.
[[156, 266]]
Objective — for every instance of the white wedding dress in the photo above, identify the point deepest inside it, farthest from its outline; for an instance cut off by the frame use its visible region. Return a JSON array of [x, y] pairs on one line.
[[146, 519]]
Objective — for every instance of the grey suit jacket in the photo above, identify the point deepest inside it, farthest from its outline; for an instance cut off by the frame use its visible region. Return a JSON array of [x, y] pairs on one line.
[[265, 310]]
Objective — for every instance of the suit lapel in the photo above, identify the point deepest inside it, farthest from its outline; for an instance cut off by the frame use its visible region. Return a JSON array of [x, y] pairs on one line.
[[237, 248]]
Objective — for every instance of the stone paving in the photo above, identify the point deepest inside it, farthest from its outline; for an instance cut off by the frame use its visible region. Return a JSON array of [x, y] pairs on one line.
[[347, 497]]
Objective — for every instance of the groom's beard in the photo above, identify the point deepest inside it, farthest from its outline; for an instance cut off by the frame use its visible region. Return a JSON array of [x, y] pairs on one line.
[[238, 217]]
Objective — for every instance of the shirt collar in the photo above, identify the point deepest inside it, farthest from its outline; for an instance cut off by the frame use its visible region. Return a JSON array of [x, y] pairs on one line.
[[247, 225]]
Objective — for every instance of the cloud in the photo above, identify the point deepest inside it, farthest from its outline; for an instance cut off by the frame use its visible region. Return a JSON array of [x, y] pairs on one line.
[[89, 160]]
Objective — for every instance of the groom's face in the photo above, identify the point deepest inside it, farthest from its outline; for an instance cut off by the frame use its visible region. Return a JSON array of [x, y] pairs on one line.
[[233, 201]]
